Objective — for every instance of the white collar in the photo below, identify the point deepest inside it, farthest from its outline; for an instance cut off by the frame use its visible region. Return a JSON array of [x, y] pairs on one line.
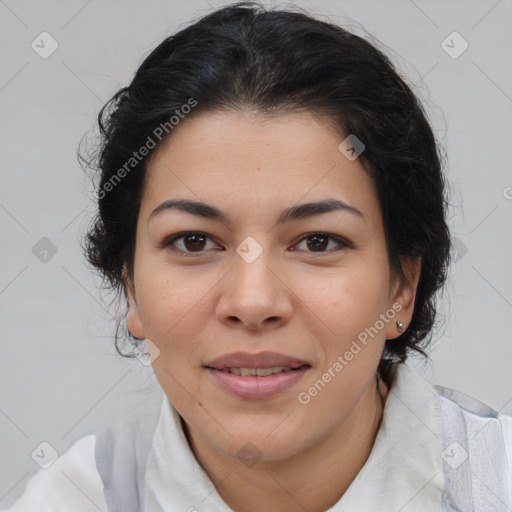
[[404, 471]]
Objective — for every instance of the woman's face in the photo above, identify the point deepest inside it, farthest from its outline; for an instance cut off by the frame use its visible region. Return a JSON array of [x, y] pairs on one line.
[[256, 280]]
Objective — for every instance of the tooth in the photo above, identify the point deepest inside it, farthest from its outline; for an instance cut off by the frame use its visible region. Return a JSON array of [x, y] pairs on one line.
[[262, 372], [247, 371]]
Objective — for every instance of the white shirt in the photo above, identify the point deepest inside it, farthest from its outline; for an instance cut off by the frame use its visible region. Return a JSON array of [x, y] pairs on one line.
[[404, 471]]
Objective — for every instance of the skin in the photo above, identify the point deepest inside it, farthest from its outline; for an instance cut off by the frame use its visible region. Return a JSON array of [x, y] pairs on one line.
[[295, 299]]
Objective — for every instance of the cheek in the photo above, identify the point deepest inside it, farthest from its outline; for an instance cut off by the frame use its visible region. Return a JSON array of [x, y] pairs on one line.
[[351, 348], [349, 300], [170, 305], [350, 307]]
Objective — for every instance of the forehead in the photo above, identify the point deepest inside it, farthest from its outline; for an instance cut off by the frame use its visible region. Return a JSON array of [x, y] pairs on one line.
[[257, 160]]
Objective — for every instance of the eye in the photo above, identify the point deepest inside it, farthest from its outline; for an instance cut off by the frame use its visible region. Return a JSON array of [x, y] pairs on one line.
[[318, 242], [191, 241], [196, 242]]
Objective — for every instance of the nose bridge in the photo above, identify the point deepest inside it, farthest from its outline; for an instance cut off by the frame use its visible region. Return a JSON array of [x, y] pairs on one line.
[[252, 276], [254, 293]]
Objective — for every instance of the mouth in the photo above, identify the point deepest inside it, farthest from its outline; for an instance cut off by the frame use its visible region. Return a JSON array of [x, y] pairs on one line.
[[260, 372], [256, 376]]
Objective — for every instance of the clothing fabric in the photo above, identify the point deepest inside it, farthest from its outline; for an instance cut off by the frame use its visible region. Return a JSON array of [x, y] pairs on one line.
[[437, 450]]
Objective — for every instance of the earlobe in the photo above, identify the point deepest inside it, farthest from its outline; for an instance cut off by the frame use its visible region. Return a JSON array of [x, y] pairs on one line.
[[133, 319], [403, 296]]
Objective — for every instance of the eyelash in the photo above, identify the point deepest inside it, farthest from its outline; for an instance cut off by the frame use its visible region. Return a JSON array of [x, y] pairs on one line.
[[167, 243]]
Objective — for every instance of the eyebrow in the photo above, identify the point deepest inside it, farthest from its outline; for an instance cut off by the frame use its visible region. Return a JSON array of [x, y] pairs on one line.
[[301, 211]]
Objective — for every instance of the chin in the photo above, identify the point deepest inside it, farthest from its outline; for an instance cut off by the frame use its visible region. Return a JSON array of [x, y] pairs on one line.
[[265, 444], [251, 450]]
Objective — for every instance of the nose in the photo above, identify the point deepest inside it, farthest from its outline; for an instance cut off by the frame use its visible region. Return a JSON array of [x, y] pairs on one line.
[[255, 296]]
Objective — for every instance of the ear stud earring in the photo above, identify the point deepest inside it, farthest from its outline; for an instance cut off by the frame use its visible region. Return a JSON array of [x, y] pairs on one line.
[[400, 326]]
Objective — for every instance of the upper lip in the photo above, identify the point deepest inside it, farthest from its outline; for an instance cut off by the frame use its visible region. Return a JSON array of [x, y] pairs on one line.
[[259, 360]]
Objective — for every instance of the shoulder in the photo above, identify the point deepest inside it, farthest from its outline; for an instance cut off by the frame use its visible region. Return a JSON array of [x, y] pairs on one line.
[[72, 482], [506, 424], [487, 428]]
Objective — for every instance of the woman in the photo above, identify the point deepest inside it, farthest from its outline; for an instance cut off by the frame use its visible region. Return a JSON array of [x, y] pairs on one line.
[[272, 207]]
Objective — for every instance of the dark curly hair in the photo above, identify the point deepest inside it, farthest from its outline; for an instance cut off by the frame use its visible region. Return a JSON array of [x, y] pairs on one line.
[[277, 61]]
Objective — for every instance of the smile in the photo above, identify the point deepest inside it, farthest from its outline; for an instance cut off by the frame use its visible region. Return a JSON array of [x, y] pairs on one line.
[[259, 372], [257, 383]]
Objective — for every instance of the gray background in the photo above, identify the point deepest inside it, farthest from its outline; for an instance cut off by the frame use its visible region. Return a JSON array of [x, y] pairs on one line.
[[60, 375]]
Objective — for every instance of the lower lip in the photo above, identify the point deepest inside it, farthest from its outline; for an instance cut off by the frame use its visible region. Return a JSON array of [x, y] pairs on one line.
[[249, 386]]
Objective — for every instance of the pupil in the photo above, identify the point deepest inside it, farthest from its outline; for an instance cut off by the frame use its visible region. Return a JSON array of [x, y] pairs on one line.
[[194, 243], [316, 238]]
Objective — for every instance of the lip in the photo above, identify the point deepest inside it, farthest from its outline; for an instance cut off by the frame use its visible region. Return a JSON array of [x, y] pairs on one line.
[[254, 387], [259, 360]]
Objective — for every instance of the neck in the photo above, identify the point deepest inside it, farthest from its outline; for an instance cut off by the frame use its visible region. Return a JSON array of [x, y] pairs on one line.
[[313, 480]]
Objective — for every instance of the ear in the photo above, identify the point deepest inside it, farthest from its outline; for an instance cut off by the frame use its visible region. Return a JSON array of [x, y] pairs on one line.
[[133, 320], [403, 295]]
